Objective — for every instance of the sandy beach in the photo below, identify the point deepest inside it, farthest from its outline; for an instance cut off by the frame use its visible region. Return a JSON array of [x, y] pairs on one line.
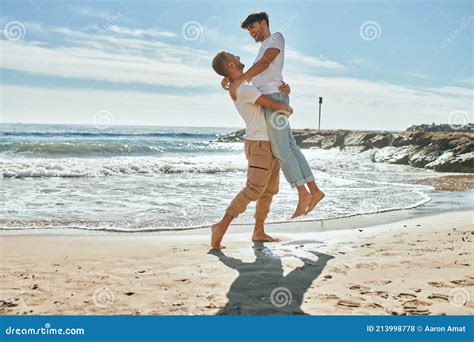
[[417, 266]]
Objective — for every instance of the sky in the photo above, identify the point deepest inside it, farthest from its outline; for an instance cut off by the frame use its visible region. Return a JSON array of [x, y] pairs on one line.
[[377, 64]]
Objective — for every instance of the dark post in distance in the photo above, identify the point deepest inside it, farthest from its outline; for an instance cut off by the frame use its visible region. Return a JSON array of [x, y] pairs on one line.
[[319, 123]]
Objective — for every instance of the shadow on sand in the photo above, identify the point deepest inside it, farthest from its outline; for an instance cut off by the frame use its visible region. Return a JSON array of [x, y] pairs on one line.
[[261, 287]]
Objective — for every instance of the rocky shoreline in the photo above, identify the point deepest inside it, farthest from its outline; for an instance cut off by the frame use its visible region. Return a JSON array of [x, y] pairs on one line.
[[443, 151]]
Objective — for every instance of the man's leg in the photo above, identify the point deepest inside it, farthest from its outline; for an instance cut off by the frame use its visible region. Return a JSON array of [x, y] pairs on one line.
[[278, 131], [280, 135], [260, 164], [263, 205], [218, 230], [316, 194]]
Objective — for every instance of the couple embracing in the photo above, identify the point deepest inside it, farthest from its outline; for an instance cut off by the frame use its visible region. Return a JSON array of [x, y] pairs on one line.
[[261, 98]]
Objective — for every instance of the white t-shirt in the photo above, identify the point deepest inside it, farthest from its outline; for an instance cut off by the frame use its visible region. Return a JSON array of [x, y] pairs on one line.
[[269, 79], [253, 115]]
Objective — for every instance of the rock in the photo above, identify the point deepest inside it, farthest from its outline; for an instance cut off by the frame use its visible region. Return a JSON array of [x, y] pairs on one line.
[[300, 135], [424, 156], [442, 142], [442, 128], [332, 141], [434, 147], [379, 141], [462, 145], [358, 138], [394, 155], [400, 140], [232, 137], [461, 141], [314, 141], [449, 162], [465, 148], [421, 139], [411, 138]]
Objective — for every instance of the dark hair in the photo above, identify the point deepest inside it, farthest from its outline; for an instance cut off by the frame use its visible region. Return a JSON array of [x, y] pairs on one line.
[[254, 17], [219, 64]]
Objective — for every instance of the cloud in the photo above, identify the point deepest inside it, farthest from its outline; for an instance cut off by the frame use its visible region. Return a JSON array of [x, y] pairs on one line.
[[357, 103], [78, 106], [128, 56], [348, 103], [312, 61], [94, 13], [118, 54], [89, 64], [300, 59], [455, 91], [418, 75], [466, 80], [151, 32]]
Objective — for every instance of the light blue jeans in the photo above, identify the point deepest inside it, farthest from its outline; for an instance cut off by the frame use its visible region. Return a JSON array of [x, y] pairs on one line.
[[293, 163]]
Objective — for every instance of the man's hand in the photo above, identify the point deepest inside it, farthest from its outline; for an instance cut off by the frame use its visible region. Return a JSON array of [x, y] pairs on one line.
[[284, 109], [284, 88], [225, 83], [288, 110], [277, 106]]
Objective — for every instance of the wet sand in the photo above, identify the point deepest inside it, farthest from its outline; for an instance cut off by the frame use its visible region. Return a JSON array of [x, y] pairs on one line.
[[450, 183]]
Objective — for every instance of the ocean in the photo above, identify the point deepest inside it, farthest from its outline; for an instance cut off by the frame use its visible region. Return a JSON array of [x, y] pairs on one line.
[[133, 179]]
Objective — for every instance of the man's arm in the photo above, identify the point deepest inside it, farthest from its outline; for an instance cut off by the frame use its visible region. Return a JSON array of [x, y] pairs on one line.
[[268, 102], [263, 63]]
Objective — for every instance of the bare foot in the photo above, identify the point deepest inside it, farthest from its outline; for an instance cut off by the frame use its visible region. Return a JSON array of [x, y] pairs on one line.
[[262, 237], [303, 202], [315, 199], [217, 233]]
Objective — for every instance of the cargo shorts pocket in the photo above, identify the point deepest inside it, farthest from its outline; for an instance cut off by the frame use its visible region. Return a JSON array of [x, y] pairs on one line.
[[260, 156]]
